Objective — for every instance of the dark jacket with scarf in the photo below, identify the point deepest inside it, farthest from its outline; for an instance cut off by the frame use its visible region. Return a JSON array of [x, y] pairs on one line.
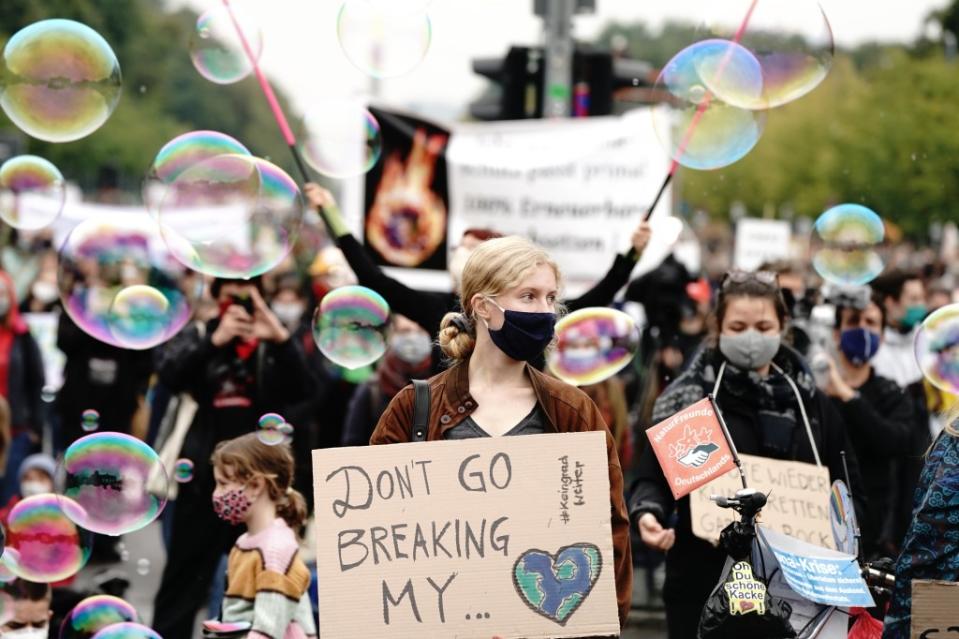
[[568, 410], [758, 415]]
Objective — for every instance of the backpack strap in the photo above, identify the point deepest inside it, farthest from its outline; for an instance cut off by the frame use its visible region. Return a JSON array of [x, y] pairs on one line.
[[421, 410]]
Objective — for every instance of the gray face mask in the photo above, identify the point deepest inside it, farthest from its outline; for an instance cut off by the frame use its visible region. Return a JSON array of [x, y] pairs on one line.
[[749, 350]]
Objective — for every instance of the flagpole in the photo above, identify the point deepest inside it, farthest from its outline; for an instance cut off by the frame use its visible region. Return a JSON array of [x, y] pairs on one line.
[[729, 439]]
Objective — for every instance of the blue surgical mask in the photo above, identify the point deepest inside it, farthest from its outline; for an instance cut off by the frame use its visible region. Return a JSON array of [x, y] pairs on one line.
[[859, 345], [913, 316], [524, 335]]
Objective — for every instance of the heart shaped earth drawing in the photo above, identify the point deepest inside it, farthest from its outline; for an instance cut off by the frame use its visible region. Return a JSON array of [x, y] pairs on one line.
[[555, 586]]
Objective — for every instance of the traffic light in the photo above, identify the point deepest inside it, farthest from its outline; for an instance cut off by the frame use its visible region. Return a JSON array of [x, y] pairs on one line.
[[519, 77]]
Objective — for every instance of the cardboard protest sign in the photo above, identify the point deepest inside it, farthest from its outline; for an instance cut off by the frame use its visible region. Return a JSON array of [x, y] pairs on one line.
[[506, 536], [935, 609], [798, 503], [819, 574], [691, 448]]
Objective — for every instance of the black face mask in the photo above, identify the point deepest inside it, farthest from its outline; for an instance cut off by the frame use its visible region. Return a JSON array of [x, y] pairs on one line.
[[523, 335]]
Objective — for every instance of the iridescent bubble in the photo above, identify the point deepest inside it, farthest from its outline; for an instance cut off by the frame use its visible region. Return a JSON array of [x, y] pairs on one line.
[[342, 139], [593, 344], [937, 348], [95, 613], [700, 130], [143, 567], [181, 153], [286, 429], [118, 481], [127, 630], [268, 429], [350, 325], [59, 80], [791, 40], [89, 420], [848, 244], [32, 192], [112, 275], [231, 216], [384, 38], [49, 545], [217, 50], [10, 558], [183, 471]]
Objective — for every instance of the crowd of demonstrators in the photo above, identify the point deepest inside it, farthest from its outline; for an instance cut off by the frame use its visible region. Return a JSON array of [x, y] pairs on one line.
[[802, 371]]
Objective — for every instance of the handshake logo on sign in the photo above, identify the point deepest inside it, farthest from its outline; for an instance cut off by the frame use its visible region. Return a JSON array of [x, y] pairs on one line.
[[694, 449]]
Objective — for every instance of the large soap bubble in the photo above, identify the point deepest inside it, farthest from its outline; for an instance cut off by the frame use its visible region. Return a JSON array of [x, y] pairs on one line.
[[44, 544], [117, 480], [216, 48], [181, 153], [847, 245], [701, 130], [120, 284], [231, 216], [937, 348], [350, 325], [342, 140], [593, 344], [59, 80], [384, 38], [791, 40], [32, 192], [95, 613]]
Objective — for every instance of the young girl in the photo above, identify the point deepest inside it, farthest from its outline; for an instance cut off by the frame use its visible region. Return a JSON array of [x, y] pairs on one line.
[[509, 299], [266, 579]]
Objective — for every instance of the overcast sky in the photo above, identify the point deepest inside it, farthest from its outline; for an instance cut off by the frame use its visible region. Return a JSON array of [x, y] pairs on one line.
[[302, 54]]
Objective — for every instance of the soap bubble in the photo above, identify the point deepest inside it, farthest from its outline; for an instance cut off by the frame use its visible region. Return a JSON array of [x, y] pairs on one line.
[[384, 38], [231, 216], [217, 50], [119, 283], [847, 245], [59, 80], [127, 630], [32, 192], [791, 40], [700, 130], [342, 140], [48, 545], [181, 153], [270, 429], [183, 471], [593, 344], [937, 348], [118, 481], [350, 325], [143, 567], [94, 614], [89, 420]]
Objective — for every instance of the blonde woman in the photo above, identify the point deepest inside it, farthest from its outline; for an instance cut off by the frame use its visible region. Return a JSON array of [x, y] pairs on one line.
[[509, 304], [931, 547]]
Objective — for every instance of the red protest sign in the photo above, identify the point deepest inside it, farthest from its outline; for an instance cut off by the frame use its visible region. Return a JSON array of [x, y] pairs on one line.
[[691, 448]]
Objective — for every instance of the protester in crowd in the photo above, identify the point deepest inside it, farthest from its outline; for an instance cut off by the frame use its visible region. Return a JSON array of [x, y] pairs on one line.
[[509, 304], [43, 296], [21, 384], [772, 408], [408, 357], [36, 478], [236, 367], [929, 549], [267, 580], [427, 308], [28, 614], [875, 410]]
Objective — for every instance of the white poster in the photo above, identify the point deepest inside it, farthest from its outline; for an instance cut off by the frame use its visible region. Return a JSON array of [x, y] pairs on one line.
[[759, 241]]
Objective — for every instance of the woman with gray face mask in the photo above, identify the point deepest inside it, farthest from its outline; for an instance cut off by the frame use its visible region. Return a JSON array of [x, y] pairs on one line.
[[772, 407]]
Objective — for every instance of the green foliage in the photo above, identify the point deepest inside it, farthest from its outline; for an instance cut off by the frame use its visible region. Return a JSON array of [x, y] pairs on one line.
[[163, 95]]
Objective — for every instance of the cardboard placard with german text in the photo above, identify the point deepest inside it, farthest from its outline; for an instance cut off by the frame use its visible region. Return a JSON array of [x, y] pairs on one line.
[[691, 448], [935, 609], [505, 536], [798, 503]]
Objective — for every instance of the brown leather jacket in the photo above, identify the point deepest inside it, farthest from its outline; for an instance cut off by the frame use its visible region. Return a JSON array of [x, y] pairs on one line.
[[568, 410]]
